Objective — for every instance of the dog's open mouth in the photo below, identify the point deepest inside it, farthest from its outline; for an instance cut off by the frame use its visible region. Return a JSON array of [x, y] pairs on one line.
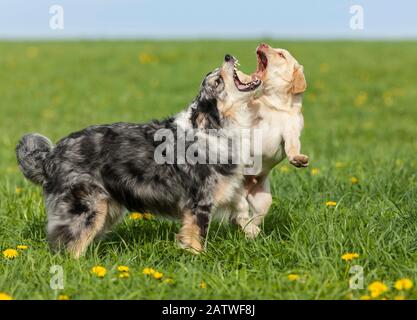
[[262, 64], [241, 86]]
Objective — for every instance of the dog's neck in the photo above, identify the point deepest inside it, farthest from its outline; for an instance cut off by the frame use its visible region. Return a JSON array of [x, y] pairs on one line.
[[240, 116], [288, 103]]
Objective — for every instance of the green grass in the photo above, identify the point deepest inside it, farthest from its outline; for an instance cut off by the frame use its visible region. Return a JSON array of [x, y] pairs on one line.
[[360, 112]]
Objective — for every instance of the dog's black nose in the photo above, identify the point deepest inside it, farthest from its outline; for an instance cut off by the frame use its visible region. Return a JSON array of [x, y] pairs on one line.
[[228, 57]]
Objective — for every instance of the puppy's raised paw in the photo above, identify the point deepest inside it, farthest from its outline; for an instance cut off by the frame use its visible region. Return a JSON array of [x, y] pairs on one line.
[[299, 161]]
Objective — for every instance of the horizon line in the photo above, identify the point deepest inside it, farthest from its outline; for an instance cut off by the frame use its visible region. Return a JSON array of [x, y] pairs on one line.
[[43, 38]]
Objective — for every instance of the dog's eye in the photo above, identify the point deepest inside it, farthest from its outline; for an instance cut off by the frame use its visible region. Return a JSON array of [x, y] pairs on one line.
[[218, 81], [281, 55]]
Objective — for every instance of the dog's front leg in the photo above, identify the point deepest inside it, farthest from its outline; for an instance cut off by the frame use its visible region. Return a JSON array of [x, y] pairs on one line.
[[193, 229], [293, 148]]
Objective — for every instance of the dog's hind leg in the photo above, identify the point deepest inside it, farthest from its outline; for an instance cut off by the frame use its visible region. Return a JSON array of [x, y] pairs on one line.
[[76, 217], [244, 220], [260, 200]]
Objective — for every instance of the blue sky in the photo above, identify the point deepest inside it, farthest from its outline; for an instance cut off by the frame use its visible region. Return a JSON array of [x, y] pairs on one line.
[[208, 19]]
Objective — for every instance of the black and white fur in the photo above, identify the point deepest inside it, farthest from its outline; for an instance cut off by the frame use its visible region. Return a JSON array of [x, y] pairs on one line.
[[90, 176]]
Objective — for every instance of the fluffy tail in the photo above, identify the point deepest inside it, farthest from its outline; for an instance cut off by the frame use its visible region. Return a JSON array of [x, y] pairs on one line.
[[31, 152]]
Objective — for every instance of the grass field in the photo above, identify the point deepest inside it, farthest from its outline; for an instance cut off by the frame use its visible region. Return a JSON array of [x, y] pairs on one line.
[[360, 112]]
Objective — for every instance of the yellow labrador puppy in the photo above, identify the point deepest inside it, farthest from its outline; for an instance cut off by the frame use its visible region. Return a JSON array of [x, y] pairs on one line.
[[280, 120]]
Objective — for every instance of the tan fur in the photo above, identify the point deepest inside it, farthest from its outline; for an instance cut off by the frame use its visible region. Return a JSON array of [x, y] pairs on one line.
[[221, 190], [299, 81], [226, 190], [228, 111], [201, 121], [77, 248], [189, 235], [281, 121]]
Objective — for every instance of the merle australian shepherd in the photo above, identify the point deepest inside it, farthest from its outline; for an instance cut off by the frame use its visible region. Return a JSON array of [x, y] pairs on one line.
[[91, 176]]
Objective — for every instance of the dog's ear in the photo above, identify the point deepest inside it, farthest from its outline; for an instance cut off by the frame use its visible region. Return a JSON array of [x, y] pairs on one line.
[[299, 81]]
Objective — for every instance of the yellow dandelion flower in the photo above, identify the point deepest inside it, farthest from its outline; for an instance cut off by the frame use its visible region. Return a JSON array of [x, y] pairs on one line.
[[169, 281], [18, 190], [361, 99], [203, 285], [123, 268], [136, 216], [284, 169], [148, 271], [403, 284], [388, 98], [32, 52], [377, 288], [331, 203], [10, 253], [146, 58], [399, 298], [148, 216], [63, 297], [12, 169], [368, 125], [339, 165], [22, 247], [366, 297], [5, 296], [124, 275], [354, 180], [157, 275], [99, 271], [293, 277], [350, 256], [324, 67], [48, 114], [315, 171]]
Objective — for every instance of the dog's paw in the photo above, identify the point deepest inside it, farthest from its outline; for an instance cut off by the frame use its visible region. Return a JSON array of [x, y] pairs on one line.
[[299, 161], [191, 250], [251, 230], [189, 244]]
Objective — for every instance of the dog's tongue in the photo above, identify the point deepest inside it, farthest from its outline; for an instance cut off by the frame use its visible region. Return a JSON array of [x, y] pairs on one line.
[[243, 86], [247, 86]]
